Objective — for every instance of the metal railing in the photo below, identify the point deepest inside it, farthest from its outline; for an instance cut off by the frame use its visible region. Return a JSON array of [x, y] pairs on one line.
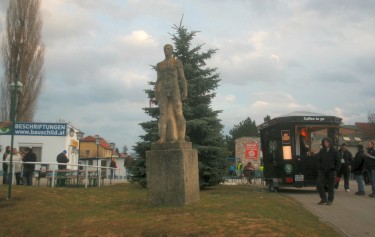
[[87, 172]]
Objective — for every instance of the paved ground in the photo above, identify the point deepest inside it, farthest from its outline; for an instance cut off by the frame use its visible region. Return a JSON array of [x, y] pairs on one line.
[[352, 215]]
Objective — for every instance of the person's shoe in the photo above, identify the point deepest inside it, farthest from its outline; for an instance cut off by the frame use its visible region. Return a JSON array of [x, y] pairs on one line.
[[329, 203], [360, 193], [322, 202], [372, 195], [347, 190]]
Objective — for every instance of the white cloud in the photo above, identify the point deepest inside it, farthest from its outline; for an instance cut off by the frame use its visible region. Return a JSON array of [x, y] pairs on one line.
[[138, 37], [258, 39], [275, 58], [230, 98], [260, 104], [277, 101]]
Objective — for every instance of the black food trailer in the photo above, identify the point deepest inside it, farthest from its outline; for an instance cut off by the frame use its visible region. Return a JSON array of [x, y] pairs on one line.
[[289, 145]]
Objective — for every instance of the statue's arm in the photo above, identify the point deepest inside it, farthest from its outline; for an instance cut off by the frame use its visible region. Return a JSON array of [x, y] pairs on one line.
[[182, 80]]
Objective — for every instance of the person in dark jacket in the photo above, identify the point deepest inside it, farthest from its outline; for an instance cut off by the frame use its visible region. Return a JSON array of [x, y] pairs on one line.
[[62, 158], [357, 168], [370, 164], [113, 165], [346, 158], [329, 164], [28, 169], [61, 176], [5, 165]]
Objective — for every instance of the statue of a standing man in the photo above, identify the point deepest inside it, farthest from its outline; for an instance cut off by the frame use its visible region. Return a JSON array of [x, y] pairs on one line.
[[170, 78]]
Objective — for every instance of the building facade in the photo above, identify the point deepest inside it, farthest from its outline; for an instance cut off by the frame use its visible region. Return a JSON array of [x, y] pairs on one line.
[[47, 140], [96, 151], [248, 150]]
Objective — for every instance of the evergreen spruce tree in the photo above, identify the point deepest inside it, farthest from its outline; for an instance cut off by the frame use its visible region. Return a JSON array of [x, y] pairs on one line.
[[202, 124], [246, 128]]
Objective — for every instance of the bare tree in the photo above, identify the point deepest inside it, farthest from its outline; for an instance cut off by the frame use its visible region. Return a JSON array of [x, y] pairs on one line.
[[371, 117], [23, 57]]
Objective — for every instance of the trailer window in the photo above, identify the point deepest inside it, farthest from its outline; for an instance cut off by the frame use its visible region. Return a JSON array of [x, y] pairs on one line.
[[308, 138], [287, 152], [303, 138]]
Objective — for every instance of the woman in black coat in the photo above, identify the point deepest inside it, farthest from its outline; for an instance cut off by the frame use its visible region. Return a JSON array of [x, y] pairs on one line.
[[358, 166]]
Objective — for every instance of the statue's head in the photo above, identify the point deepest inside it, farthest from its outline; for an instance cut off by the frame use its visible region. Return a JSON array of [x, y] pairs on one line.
[[168, 50]]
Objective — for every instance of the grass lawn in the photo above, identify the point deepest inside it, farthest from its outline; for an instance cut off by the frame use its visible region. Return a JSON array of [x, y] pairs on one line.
[[123, 210]]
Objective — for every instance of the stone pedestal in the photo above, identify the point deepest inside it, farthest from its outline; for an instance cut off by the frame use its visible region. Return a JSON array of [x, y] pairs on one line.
[[172, 174]]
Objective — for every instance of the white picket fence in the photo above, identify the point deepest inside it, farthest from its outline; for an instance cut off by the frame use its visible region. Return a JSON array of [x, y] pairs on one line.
[[86, 175]]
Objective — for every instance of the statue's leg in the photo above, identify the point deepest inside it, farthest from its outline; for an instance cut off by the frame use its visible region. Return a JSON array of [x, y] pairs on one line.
[[180, 121], [163, 107], [171, 125]]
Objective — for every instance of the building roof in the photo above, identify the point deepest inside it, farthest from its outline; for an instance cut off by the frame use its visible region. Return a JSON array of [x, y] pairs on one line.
[[368, 129], [352, 127], [301, 117], [102, 142]]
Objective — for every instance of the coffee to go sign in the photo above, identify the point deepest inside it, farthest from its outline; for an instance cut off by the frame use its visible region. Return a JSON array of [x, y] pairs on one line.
[[252, 151]]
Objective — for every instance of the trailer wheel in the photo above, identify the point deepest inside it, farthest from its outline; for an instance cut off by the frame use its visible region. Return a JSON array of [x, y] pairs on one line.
[[272, 188]]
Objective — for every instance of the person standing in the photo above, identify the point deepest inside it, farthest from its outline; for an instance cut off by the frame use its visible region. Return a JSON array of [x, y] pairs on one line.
[[239, 169], [370, 165], [61, 158], [17, 164], [232, 170], [346, 159], [249, 171], [28, 169], [113, 165], [357, 168], [329, 163], [5, 165]]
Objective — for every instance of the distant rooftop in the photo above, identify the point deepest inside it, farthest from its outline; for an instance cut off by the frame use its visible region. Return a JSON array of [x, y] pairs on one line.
[[302, 113], [368, 129]]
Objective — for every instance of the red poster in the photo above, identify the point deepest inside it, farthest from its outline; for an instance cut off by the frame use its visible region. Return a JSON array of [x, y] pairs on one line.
[[252, 151]]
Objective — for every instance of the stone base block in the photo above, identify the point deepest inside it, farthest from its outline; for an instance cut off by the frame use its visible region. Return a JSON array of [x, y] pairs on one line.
[[172, 175]]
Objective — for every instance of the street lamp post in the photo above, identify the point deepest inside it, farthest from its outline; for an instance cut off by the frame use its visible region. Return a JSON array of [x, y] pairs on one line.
[[97, 142], [17, 87], [112, 145], [79, 137], [71, 132], [71, 147]]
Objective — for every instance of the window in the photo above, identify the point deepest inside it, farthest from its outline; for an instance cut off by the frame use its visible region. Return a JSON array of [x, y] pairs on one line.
[[347, 139], [91, 162], [357, 139], [287, 152], [87, 153], [36, 150]]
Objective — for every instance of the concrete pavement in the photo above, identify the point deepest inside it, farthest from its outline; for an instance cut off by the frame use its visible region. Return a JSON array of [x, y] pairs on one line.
[[352, 215]]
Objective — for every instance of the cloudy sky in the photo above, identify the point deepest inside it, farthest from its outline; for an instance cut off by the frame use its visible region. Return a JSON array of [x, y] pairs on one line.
[[274, 57]]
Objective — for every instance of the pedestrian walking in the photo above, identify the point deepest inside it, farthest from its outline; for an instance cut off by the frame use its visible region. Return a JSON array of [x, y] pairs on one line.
[[329, 164], [357, 168]]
